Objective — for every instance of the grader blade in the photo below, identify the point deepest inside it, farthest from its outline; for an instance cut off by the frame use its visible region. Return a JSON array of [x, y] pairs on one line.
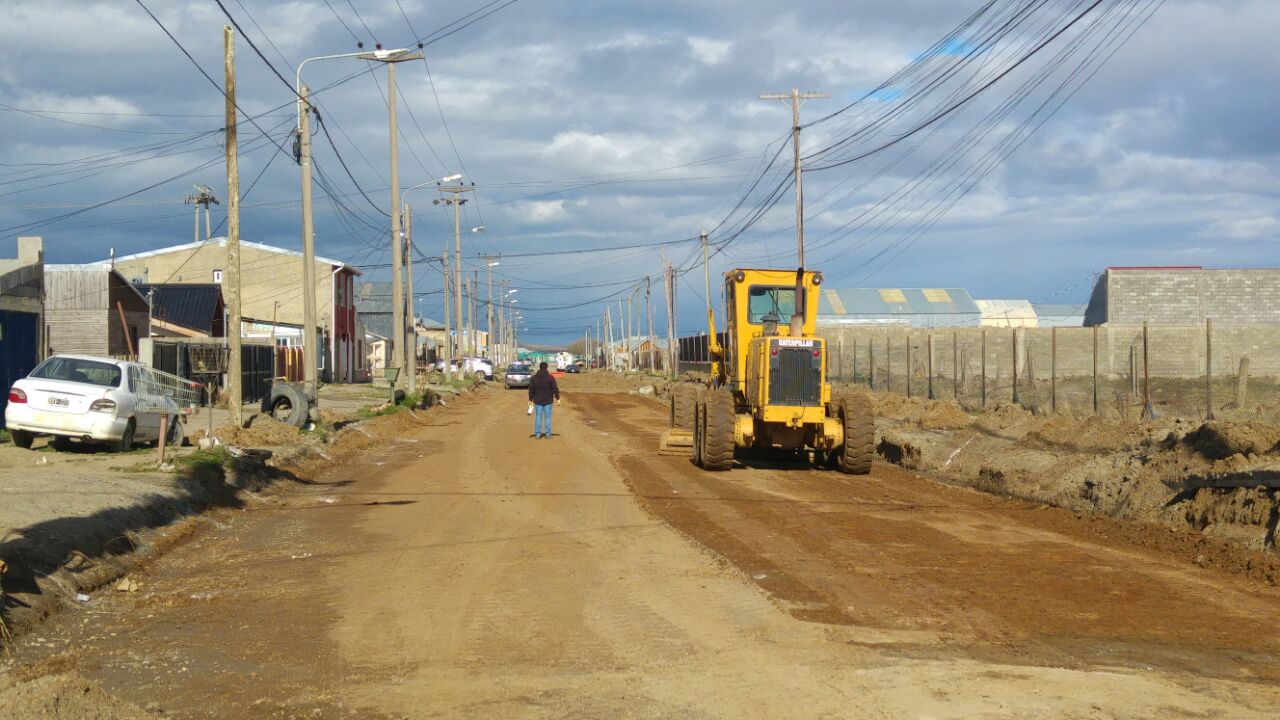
[[676, 442]]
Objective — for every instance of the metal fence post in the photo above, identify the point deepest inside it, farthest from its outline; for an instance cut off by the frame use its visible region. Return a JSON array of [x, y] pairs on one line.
[[1053, 369], [1095, 369], [1015, 367], [1208, 369], [871, 364], [1147, 410], [910, 372], [929, 365], [984, 367]]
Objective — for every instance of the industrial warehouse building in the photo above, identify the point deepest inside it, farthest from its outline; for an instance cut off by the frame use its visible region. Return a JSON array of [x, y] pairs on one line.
[[910, 307], [1185, 296]]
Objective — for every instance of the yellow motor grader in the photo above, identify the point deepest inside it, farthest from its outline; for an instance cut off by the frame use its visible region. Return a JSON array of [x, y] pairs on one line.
[[768, 386]]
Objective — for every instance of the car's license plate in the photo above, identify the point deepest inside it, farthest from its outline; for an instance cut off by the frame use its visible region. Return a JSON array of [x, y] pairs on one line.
[[59, 401]]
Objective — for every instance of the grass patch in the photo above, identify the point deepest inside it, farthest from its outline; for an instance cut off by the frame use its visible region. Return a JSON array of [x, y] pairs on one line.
[[5, 436], [214, 458]]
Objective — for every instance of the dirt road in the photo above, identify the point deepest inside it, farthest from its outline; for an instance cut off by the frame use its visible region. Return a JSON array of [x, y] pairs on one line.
[[468, 570]]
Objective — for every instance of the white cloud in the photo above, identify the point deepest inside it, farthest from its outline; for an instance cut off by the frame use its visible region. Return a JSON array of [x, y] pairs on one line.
[[709, 51], [542, 211], [1253, 228]]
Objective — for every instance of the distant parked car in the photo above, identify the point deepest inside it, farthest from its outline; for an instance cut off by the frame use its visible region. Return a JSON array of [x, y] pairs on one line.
[[518, 375], [572, 368], [90, 399]]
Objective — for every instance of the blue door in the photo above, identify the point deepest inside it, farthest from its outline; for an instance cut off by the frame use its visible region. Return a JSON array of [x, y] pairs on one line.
[[19, 341]]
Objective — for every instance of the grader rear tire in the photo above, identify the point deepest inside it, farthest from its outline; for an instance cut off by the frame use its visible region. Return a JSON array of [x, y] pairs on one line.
[[859, 435], [717, 431], [683, 406]]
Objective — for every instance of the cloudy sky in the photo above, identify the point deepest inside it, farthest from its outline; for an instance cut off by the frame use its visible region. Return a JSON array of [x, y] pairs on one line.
[[595, 131]]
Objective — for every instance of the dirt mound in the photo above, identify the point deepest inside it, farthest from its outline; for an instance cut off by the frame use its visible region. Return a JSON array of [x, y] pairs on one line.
[[1091, 433], [66, 696], [1221, 440], [944, 415], [263, 431], [1007, 418], [897, 407]]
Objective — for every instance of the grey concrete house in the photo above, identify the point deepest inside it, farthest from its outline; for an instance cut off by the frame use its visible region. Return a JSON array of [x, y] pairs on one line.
[[1185, 295]]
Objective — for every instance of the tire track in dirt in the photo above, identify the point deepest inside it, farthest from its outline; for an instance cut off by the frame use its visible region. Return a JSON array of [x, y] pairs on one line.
[[898, 553]]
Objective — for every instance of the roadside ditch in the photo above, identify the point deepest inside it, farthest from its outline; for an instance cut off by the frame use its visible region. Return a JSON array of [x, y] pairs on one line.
[[1213, 486]]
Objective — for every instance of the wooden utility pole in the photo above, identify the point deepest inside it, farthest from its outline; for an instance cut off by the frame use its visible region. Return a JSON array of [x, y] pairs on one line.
[[411, 338], [797, 99], [1208, 369], [1147, 410], [668, 277], [310, 342], [231, 276], [456, 201]]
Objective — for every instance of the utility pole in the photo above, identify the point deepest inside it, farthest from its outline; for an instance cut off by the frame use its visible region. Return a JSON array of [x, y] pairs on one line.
[[668, 276], [796, 97], [648, 303], [398, 357], [608, 333], [490, 261], [456, 201], [448, 337], [411, 342], [309, 340], [203, 196], [231, 278]]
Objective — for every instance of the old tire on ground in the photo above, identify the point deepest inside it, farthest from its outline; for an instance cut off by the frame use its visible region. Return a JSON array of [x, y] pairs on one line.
[[683, 403], [125, 443], [717, 434], [859, 450], [175, 432], [288, 404], [22, 439]]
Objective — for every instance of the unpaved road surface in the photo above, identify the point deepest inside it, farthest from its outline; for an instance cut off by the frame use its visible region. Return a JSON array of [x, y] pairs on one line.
[[468, 570]]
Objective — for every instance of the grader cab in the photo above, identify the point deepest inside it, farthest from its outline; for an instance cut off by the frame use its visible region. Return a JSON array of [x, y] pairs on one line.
[[768, 386]]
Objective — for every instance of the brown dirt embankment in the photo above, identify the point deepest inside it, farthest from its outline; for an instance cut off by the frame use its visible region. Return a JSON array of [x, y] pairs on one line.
[[1221, 478]]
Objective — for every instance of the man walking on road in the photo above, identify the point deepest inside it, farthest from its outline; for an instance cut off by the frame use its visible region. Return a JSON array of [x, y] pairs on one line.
[[542, 392]]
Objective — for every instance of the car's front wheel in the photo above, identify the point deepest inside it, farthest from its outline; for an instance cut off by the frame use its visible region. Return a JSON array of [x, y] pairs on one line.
[[22, 438]]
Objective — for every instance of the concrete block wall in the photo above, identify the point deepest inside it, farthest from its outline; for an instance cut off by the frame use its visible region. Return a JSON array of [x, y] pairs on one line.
[[1189, 296], [1172, 351]]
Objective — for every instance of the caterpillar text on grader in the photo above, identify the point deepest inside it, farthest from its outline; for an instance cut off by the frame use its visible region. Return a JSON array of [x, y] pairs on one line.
[[768, 387]]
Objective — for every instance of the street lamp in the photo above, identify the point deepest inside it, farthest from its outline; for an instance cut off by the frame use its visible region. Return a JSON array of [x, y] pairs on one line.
[[397, 358], [478, 228]]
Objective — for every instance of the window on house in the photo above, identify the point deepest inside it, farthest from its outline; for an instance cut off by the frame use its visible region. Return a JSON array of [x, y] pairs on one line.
[[217, 276]]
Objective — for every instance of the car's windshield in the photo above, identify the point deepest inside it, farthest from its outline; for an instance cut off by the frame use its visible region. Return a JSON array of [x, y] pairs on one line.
[[89, 372], [518, 369], [763, 300]]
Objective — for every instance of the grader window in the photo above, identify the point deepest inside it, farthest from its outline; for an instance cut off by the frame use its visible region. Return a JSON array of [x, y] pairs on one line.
[[776, 300]]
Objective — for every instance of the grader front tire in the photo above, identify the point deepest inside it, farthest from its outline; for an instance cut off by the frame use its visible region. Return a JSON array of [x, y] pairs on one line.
[[859, 450], [717, 430], [683, 406]]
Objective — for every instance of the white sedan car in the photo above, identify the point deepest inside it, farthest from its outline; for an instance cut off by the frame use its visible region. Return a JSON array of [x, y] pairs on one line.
[[90, 399]]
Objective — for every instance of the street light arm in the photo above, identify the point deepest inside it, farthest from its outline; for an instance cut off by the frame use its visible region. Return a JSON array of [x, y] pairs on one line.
[[297, 85]]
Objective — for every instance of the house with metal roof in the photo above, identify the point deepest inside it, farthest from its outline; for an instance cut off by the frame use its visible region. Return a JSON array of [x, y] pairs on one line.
[[1059, 314], [186, 310], [909, 307]]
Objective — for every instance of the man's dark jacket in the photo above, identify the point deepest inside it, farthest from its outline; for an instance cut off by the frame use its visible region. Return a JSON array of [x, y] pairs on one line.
[[543, 389]]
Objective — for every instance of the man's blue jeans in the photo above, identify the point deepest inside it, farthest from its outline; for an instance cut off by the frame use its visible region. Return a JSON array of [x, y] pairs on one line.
[[542, 413]]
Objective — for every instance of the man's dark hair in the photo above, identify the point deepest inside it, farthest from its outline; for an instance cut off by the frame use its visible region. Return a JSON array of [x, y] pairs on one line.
[[542, 366]]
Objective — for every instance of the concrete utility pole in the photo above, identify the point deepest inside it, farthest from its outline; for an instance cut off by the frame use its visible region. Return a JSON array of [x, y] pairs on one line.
[[669, 276], [204, 196], [648, 303], [491, 261], [448, 337], [399, 357], [309, 340], [231, 277], [456, 201], [796, 97], [411, 340]]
